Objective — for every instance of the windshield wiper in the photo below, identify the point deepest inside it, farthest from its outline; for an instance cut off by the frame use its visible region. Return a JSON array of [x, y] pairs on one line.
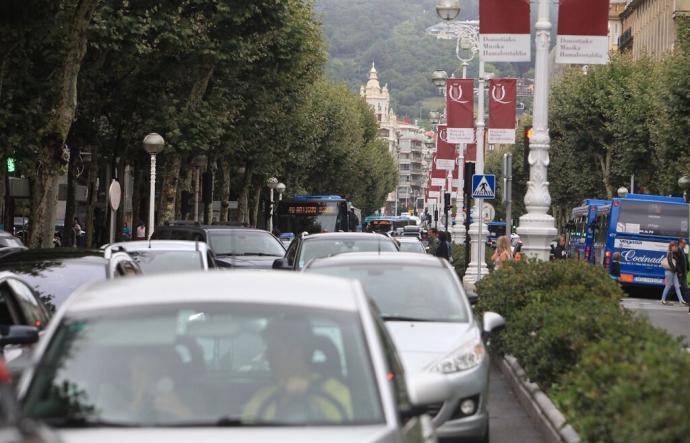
[[237, 422], [262, 254], [403, 318], [81, 422]]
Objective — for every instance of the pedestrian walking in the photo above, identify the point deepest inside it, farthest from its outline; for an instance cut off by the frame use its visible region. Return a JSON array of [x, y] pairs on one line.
[[616, 266], [683, 268], [141, 231], [670, 263], [502, 253], [76, 227], [442, 251], [433, 241]]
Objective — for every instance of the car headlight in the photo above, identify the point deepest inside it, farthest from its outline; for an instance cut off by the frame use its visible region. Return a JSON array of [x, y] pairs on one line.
[[464, 358]]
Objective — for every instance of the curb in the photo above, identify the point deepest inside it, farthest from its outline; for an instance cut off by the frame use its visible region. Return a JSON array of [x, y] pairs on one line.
[[541, 410]]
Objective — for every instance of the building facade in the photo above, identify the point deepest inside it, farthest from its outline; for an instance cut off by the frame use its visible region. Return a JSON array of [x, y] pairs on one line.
[[406, 144], [650, 26]]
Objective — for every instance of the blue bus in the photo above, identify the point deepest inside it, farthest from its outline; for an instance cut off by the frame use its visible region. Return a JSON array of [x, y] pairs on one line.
[[639, 228], [316, 214], [581, 232], [387, 223]]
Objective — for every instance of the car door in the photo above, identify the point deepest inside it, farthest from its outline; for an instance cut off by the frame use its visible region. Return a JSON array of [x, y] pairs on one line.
[[414, 429]]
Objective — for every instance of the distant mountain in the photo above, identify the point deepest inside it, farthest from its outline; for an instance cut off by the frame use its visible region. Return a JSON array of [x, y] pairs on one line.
[[391, 33]]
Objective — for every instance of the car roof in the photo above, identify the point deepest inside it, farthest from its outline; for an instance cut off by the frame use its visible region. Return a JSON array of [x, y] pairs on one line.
[[408, 239], [51, 254], [345, 235], [159, 245], [191, 226], [262, 287], [373, 258]]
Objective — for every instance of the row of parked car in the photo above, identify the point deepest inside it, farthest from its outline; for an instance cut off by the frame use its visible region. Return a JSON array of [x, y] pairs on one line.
[[364, 343]]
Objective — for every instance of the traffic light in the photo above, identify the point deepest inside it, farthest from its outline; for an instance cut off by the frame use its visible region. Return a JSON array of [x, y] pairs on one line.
[[469, 172], [435, 214], [529, 133], [11, 166], [447, 202]]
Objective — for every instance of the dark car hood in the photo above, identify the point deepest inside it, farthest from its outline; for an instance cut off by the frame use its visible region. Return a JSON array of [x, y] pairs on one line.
[[246, 261]]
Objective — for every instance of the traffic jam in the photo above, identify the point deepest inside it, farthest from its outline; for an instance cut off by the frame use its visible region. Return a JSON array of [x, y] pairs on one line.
[[343, 333]]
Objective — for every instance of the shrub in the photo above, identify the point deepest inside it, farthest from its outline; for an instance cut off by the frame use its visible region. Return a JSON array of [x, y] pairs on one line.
[[513, 287], [630, 388], [548, 338]]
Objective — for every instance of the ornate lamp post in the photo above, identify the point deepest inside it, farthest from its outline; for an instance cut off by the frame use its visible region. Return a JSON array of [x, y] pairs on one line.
[[448, 9], [537, 228], [154, 145], [198, 163]]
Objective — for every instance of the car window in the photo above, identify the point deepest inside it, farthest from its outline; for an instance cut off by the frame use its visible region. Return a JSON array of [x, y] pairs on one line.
[[210, 364], [238, 243], [158, 262], [417, 292], [34, 312], [8, 308], [408, 246], [292, 252], [321, 248]]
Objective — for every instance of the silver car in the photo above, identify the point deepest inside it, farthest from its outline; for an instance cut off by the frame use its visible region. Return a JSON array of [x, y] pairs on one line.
[[430, 319], [411, 244], [246, 356], [165, 256]]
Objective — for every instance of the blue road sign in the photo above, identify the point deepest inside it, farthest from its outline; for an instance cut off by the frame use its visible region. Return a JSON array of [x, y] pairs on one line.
[[484, 186]]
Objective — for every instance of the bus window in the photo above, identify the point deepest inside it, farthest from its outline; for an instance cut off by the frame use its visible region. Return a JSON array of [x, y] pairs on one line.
[[653, 218]]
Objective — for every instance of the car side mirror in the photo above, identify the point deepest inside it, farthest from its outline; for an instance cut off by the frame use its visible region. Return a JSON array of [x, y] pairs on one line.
[[19, 335], [493, 322], [473, 299], [425, 389], [280, 263]]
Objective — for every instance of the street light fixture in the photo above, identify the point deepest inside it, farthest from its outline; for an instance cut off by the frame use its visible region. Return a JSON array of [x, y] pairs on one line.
[[154, 145], [280, 187], [448, 10], [439, 78], [623, 192], [684, 183], [272, 183]]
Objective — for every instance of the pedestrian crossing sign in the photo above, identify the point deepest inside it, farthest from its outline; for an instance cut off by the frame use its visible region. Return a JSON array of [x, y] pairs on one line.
[[484, 186]]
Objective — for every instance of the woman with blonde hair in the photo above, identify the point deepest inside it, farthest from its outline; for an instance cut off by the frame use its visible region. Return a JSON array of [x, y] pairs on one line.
[[503, 253]]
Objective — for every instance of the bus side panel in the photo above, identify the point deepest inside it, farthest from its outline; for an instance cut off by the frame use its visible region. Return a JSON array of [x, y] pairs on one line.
[[640, 261]]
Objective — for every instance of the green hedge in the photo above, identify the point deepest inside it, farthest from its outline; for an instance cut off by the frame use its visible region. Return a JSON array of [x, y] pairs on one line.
[[617, 378], [459, 259]]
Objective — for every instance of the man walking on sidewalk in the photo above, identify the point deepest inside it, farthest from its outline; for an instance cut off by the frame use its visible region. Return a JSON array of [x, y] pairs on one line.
[[683, 268]]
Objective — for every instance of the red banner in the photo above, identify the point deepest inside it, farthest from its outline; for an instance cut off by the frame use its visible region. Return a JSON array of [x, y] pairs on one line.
[[460, 105], [583, 32], [504, 31], [502, 110]]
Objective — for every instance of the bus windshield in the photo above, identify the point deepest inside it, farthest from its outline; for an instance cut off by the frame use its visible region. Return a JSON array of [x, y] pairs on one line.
[[653, 218], [305, 216]]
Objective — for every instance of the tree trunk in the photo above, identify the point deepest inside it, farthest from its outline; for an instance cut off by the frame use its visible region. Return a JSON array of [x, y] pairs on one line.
[[171, 178], [605, 164], [225, 190], [256, 203], [91, 210], [50, 158], [68, 234], [243, 210]]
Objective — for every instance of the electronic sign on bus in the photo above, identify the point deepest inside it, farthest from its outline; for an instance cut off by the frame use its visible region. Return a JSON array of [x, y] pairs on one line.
[[312, 209]]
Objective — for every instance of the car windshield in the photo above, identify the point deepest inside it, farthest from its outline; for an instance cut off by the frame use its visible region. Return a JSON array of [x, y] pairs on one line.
[[321, 248], [10, 242], [229, 364], [161, 262], [245, 243], [406, 291], [412, 246]]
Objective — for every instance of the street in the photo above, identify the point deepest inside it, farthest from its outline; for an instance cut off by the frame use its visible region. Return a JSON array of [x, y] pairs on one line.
[[673, 318], [509, 421]]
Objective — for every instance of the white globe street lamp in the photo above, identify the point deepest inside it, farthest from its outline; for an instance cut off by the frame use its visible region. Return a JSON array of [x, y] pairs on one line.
[[439, 78], [684, 183], [154, 145], [272, 183], [448, 10], [280, 187], [623, 192]]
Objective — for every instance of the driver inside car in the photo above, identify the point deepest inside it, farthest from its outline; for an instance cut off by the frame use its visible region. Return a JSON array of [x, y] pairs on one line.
[[298, 394]]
